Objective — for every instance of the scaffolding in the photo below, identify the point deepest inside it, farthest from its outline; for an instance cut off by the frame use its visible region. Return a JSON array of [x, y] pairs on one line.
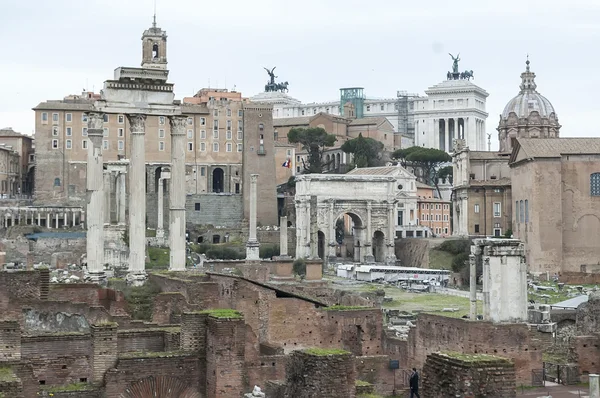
[[354, 95]]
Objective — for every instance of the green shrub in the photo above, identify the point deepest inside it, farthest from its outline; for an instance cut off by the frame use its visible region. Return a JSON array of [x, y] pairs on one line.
[[459, 261], [299, 267], [269, 251], [224, 253], [456, 246]]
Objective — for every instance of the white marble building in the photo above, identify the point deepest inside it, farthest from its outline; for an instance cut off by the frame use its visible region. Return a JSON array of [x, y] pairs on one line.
[[452, 109]]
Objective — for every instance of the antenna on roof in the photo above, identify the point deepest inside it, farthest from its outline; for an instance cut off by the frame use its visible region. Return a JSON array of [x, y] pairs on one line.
[[154, 21]]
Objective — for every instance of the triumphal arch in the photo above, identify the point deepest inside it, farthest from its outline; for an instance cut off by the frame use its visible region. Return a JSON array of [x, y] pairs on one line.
[[366, 202]]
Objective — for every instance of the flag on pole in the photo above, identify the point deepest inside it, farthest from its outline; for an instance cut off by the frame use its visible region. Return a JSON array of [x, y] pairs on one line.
[[287, 164]]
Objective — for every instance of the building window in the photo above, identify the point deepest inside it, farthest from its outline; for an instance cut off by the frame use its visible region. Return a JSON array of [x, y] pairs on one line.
[[228, 112], [239, 147], [55, 118], [228, 135], [229, 125], [216, 134], [382, 107], [216, 147], [229, 147], [190, 134], [202, 134], [68, 144], [261, 126], [476, 228], [368, 108], [161, 120], [215, 125], [44, 117], [84, 131], [105, 145], [215, 112], [526, 210], [497, 209], [190, 121], [522, 211], [161, 133], [161, 145], [121, 145], [55, 131], [497, 232], [476, 208], [202, 171], [202, 121], [105, 132], [275, 135], [190, 146], [84, 117], [121, 132], [237, 187], [595, 184], [106, 118], [197, 206], [56, 184], [120, 119], [240, 113], [203, 147], [240, 136], [69, 131], [517, 210], [84, 144], [69, 117], [54, 144]]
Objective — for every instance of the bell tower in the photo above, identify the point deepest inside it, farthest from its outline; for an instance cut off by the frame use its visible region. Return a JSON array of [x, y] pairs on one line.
[[154, 47]]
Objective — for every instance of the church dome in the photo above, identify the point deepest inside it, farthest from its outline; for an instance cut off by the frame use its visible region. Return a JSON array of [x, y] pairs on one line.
[[528, 100]]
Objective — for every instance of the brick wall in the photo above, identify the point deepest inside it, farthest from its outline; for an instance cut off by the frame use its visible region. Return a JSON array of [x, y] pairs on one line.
[[75, 293], [193, 332], [324, 376], [263, 368], [444, 376], [141, 340], [54, 346], [376, 370], [169, 306], [21, 285], [10, 341], [588, 354], [225, 345], [104, 349], [224, 209], [438, 333]]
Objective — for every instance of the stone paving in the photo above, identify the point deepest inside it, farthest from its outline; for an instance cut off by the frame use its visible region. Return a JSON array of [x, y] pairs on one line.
[[556, 392]]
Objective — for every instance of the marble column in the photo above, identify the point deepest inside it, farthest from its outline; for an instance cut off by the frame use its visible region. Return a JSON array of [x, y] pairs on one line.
[[96, 200], [283, 239], [368, 239], [594, 386], [332, 241], [160, 230], [300, 228], [107, 176], [48, 221], [177, 194], [12, 219], [137, 199], [121, 198], [74, 217], [39, 219], [252, 246], [314, 228], [391, 252], [307, 231]]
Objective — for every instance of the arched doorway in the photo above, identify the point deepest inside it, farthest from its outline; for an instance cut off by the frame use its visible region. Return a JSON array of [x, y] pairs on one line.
[[379, 246], [349, 233], [321, 246], [218, 180]]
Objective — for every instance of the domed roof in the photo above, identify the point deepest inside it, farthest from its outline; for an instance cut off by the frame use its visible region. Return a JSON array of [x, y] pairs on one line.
[[528, 100]]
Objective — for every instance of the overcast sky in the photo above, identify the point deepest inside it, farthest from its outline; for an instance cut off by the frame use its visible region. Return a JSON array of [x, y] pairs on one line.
[[59, 47]]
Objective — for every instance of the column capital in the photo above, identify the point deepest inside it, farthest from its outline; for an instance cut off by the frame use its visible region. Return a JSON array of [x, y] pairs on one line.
[[178, 124], [253, 178], [137, 122], [95, 120]]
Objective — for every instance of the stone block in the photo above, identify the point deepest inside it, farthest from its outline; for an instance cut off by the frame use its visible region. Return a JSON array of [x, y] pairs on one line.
[[314, 270]]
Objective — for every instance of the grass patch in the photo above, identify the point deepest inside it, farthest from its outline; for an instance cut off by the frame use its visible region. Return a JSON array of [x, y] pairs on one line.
[[70, 387], [140, 299], [472, 357], [158, 258], [361, 383], [6, 374], [439, 259], [555, 358], [150, 233], [225, 313], [346, 308], [322, 352]]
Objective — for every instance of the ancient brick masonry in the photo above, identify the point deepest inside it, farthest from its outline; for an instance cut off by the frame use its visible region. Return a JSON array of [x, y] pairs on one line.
[[320, 375], [468, 376], [10, 336], [104, 346]]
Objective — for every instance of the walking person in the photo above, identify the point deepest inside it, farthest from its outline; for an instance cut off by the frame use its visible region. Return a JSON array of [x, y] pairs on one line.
[[414, 384]]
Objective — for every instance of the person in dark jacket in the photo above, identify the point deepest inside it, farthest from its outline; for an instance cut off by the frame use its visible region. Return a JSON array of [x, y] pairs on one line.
[[414, 384]]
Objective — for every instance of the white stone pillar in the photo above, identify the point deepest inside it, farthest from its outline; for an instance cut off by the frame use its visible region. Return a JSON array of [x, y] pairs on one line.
[[368, 239], [177, 194], [332, 241], [74, 218], [307, 230], [55, 218], [39, 219], [283, 239], [137, 199], [252, 246], [160, 230], [96, 199], [48, 221], [473, 286], [314, 228], [299, 228], [122, 198], [391, 252], [65, 219], [12, 219], [107, 179], [594, 386]]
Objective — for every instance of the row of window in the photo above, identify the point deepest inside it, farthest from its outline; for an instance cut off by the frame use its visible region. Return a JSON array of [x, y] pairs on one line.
[[522, 211], [161, 145], [162, 120], [425, 206], [497, 229], [161, 133], [497, 209], [434, 217]]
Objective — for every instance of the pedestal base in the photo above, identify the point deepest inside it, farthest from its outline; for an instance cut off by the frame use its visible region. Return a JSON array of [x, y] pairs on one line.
[[136, 278], [252, 250], [369, 259], [390, 260], [160, 233], [98, 277]]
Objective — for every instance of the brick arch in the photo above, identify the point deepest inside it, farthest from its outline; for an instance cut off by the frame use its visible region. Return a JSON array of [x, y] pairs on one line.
[[160, 386]]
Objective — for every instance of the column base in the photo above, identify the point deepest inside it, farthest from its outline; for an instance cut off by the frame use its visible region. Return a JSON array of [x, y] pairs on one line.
[[369, 258], [252, 250], [160, 233], [136, 278], [390, 260], [97, 277]]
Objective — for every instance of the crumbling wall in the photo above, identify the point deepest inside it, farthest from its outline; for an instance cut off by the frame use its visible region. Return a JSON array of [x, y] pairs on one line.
[[468, 376], [412, 252]]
